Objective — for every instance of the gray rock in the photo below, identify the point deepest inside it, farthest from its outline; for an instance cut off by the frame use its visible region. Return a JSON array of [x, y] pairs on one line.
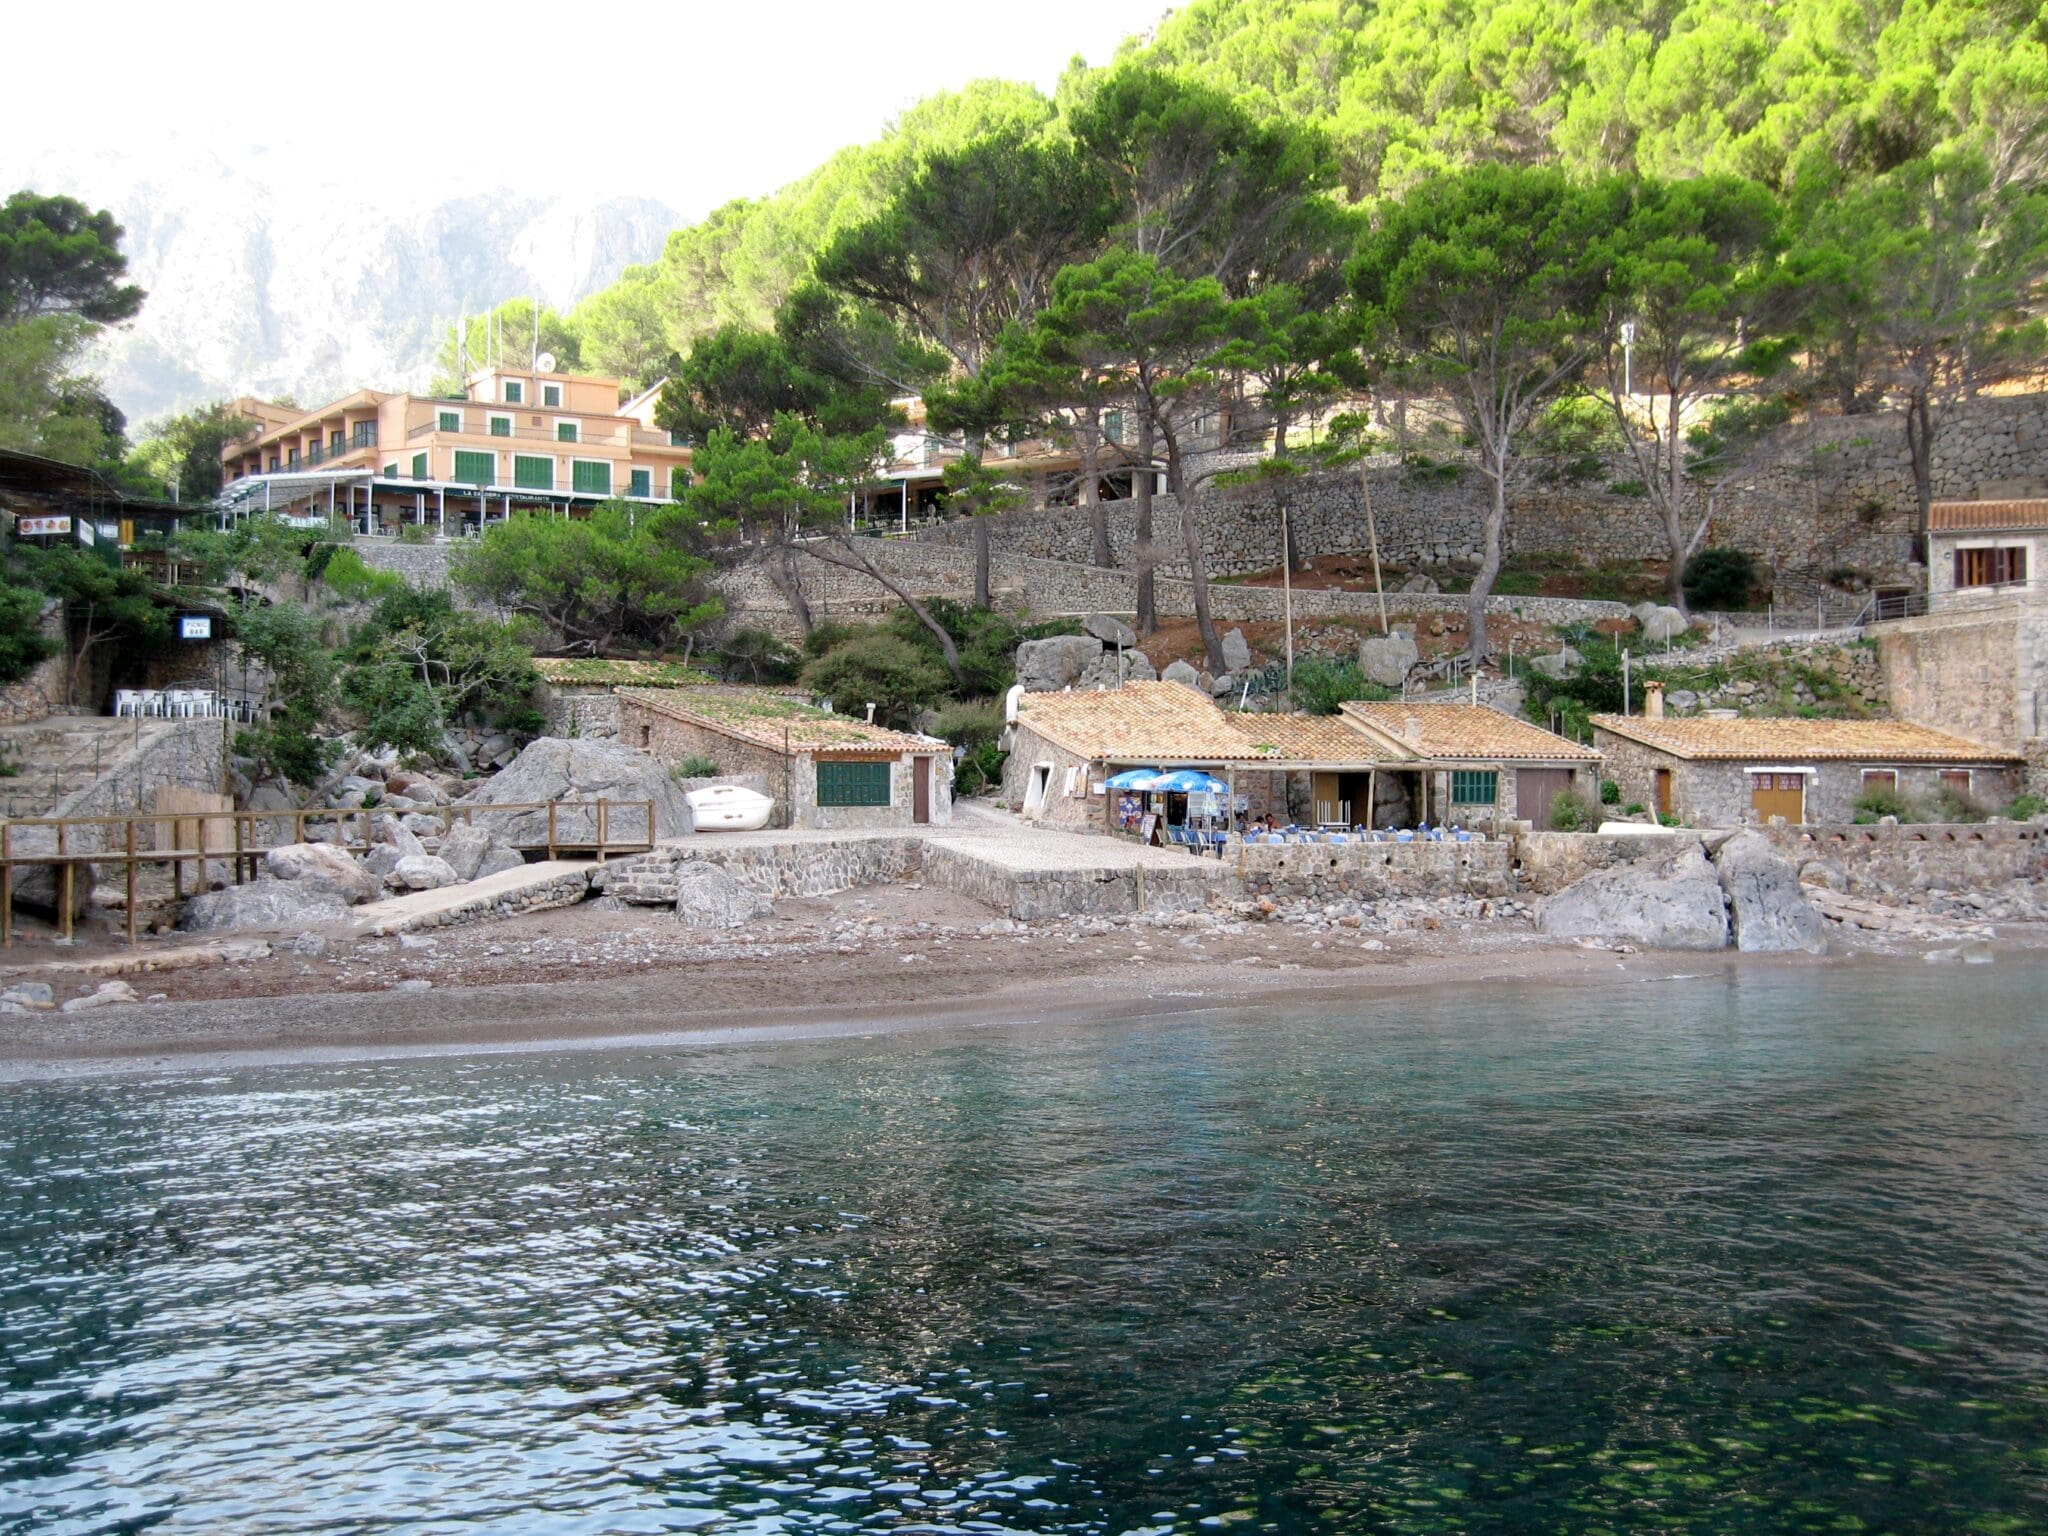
[[1138, 667], [1769, 911], [106, 995], [264, 904], [30, 994], [1103, 671], [270, 796], [1662, 623], [1110, 630], [708, 897], [322, 865], [1047, 666], [1559, 663], [1223, 687], [311, 945], [415, 984], [391, 832], [1180, 672], [1420, 582], [463, 849], [39, 887], [555, 768], [498, 861], [381, 860], [1387, 659], [1673, 904], [423, 872], [1237, 651], [422, 824]]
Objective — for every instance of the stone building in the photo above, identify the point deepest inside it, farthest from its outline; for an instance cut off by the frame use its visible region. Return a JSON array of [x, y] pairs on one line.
[[1731, 772], [578, 695], [1484, 767], [824, 770], [1981, 546]]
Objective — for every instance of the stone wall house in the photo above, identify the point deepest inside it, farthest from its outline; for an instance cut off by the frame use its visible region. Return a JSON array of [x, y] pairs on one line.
[[578, 695], [1484, 768], [1736, 772], [824, 770], [1974, 546]]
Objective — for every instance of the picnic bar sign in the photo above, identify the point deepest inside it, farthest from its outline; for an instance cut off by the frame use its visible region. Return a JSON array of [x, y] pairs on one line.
[[34, 527]]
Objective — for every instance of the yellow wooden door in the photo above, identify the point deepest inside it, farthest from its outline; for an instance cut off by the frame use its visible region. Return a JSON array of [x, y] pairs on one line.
[[1778, 794]]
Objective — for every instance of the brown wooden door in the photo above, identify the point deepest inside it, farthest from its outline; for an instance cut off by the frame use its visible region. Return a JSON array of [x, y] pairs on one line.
[[1778, 794], [1535, 788], [1664, 797], [920, 790]]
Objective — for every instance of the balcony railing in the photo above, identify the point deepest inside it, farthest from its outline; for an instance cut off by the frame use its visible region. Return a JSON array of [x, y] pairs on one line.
[[611, 437]]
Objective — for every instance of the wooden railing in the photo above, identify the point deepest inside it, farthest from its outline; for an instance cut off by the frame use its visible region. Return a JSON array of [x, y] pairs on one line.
[[241, 843]]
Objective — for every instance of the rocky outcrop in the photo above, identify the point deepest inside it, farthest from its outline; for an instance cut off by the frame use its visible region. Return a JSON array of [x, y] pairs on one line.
[[1180, 672], [1048, 665], [1237, 651], [279, 905], [554, 768], [1110, 630], [473, 853], [1768, 910], [1387, 659], [1674, 903], [1660, 622], [325, 866], [422, 872], [708, 897]]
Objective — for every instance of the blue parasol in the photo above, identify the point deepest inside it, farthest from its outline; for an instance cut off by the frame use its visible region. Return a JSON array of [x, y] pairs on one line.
[[1189, 781], [1133, 778]]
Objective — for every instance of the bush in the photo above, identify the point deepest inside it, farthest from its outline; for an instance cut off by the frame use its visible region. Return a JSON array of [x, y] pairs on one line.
[[1570, 812], [879, 668], [969, 725], [1666, 819], [22, 643], [286, 745], [2027, 807], [1873, 804], [415, 533], [1633, 808], [1949, 805], [757, 656], [1719, 578], [1628, 488], [695, 766], [1610, 792], [1320, 687]]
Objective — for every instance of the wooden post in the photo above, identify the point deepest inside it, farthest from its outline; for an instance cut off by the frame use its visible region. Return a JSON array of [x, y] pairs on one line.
[[551, 831], [131, 884], [6, 887], [239, 842], [64, 884], [602, 805], [1372, 779]]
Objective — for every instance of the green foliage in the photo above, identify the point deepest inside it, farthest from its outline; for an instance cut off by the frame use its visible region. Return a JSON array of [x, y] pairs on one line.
[[1633, 808], [263, 548], [1882, 801], [284, 640], [1322, 687], [1633, 488], [182, 452], [348, 577], [59, 257], [415, 533], [103, 603], [2027, 808], [987, 643], [793, 477], [878, 668], [287, 746], [1610, 792], [697, 766], [1948, 805], [740, 381], [620, 575], [420, 664], [22, 642], [977, 729], [512, 323], [754, 655], [1720, 578], [1570, 812]]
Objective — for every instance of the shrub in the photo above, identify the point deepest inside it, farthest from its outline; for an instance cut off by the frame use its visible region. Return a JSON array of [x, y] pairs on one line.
[[1949, 805], [695, 766], [1666, 819], [286, 745], [1719, 578], [1628, 488], [2027, 807], [415, 533], [1633, 808], [755, 654], [1610, 792], [1320, 687], [1873, 804], [879, 668], [968, 725], [1569, 812]]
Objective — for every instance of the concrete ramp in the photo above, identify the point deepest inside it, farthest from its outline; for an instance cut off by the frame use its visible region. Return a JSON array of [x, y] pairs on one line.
[[534, 888]]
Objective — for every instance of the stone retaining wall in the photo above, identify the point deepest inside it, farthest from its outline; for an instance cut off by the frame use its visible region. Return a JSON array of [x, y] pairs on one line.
[[1373, 871], [564, 890], [422, 565], [1879, 861], [1044, 895], [774, 870]]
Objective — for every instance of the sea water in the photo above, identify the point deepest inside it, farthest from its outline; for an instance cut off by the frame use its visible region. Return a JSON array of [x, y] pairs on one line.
[[1765, 1252]]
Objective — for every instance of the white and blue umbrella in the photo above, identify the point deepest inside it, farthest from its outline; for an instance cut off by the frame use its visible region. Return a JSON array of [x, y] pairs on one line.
[[1133, 778], [1189, 781]]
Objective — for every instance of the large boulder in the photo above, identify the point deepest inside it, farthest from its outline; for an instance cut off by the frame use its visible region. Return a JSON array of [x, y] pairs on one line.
[[473, 853], [1420, 582], [423, 872], [1662, 623], [1768, 908], [1387, 659], [1047, 666], [390, 832], [1560, 663], [556, 768], [1675, 903], [1180, 672], [283, 905], [1110, 630], [39, 887], [708, 897], [1237, 651], [323, 865], [1113, 668]]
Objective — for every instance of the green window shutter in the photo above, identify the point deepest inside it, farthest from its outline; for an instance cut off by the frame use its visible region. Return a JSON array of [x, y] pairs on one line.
[[533, 474], [475, 468], [419, 466], [594, 478], [515, 394], [642, 482], [450, 421], [565, 431], [391, 471], [1474, 786], [853, 783], [501, 426], [551, 395]]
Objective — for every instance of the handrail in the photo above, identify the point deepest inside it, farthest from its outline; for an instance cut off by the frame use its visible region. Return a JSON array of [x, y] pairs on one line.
[[65, 857]]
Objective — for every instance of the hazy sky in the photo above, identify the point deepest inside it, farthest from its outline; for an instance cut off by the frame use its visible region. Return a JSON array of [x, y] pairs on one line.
[[692, 104]]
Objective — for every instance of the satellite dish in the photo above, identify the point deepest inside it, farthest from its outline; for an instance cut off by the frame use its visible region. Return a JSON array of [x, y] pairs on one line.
[[545, 362]]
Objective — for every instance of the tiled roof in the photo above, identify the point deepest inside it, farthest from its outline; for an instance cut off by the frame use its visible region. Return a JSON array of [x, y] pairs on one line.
[[770, 719], [1163, 724], [1457, 732], [1973, 516], [594, 671], [1791, 740]]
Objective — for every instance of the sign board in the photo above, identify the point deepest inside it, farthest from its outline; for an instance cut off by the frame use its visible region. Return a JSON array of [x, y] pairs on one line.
[[86, 535], [1148, 829], [31, 527], [195, 626]]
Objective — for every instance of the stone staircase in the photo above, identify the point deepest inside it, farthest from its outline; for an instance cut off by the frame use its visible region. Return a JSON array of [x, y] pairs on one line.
[[56, 757]]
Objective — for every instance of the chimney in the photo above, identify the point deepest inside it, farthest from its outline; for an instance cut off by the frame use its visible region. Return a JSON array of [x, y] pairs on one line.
[[1653, 701], [871, 712], [1411, 729]]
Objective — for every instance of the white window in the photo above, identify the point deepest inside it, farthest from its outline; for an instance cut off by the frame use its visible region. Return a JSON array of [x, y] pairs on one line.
[[551, 396], [501, 424], [515, 391]]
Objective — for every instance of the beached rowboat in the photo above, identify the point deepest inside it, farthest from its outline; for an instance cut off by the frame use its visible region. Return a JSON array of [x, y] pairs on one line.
[[729, 808]]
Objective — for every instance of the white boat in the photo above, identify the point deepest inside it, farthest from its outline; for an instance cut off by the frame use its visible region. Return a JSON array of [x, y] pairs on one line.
[[728, 808]]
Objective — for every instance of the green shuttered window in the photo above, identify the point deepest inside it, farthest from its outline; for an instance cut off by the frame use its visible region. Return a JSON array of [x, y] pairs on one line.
[[1474, 786], [595, 478], [419, 466], [515, 393], [475, 468], [533, 474], [853, 783], [501, 426], [450, 421], [643, 483], [565, 431]]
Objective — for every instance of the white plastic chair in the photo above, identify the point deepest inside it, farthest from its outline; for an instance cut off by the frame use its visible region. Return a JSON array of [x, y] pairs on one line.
[[127, 701]]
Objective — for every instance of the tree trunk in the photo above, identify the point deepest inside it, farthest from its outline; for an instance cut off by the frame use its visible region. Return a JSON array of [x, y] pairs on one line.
[[1280, 425], [851, 558], [981, 592], [1141, 536], [1674, 510], [1489, 564], [781, 569], [1920, 454], [1198, 577], [1091, 496]]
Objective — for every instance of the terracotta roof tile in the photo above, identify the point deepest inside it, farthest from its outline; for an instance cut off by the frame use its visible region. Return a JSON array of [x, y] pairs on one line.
[[1459, 732], [1885, 741], [1161, 724], [767, 718], [1971, 516]]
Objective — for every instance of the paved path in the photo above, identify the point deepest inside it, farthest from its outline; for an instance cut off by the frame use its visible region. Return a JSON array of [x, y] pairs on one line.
[[419, 909]]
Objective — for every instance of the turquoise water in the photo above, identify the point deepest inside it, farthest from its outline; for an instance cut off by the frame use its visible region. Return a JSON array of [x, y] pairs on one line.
[[1753, 1254]]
